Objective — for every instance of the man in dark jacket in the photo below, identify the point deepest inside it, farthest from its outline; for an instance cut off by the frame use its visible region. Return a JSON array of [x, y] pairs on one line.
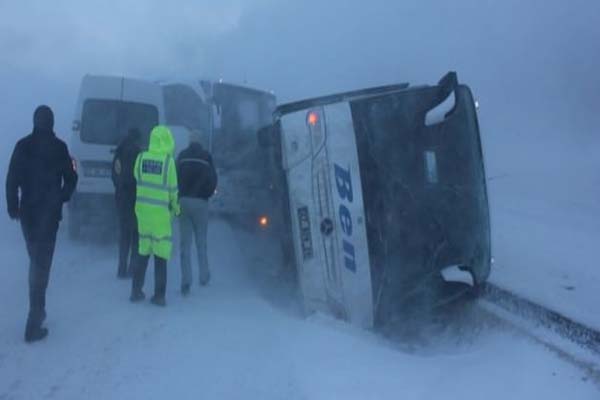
[[40, 179], [197, 180], [124, 182]]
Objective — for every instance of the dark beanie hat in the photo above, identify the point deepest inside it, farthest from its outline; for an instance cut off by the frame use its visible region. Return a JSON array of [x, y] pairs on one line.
[[43, 118]]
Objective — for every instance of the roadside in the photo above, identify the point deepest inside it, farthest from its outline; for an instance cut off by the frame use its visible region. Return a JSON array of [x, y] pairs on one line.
[[546, 229], [229, 341]]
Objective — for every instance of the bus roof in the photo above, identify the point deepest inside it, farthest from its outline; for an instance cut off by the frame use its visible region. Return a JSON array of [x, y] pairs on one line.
[[252, 90], [338, 97]]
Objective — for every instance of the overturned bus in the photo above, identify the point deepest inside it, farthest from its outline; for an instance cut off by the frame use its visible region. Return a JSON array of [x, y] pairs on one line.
[[383, 198]]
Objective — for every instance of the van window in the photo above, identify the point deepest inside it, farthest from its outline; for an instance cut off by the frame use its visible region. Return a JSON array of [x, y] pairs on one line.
[[108, 121]]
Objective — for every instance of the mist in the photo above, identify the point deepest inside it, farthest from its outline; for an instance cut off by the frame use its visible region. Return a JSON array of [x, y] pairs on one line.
[[531, 64]]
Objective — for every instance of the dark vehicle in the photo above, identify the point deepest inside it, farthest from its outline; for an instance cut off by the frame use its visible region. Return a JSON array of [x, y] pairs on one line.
[[243, 190], [383, 193]]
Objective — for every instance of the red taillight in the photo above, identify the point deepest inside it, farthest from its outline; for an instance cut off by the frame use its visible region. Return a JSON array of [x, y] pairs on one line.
[[312, 118], [263, 221], [315, 126]]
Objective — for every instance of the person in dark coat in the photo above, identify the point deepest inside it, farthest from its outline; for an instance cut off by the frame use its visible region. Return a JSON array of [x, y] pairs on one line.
[[124, 182], [197, 179], [41, 178]]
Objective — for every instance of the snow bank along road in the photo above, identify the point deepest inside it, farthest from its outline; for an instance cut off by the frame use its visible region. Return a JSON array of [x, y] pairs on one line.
[[545, 225], [232, 341]]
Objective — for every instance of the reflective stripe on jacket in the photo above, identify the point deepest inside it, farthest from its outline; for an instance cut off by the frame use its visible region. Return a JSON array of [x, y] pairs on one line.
[[156, 194]]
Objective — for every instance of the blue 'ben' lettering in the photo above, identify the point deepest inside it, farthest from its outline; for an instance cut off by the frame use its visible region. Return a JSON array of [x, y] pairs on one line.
[[349, 259], [345, 220], [343, 182]]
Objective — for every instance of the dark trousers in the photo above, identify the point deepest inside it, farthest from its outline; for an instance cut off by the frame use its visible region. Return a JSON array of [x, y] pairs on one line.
[[160, 275], [40, 238], [128, 240]]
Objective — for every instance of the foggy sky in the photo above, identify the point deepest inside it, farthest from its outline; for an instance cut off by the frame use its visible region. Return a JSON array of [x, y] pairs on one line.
[[534, 65]]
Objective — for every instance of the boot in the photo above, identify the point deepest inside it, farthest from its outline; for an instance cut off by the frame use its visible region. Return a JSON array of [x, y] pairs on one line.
[[34, 334], [158, 301], [185, 289], [205, 279], [137, 296]]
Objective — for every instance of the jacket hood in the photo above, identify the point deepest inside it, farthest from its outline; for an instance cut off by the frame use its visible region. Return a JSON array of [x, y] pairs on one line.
[[161, 141], [43, 119]]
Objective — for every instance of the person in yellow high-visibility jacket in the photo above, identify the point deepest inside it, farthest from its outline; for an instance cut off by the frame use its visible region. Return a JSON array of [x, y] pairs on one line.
[[157, 202]]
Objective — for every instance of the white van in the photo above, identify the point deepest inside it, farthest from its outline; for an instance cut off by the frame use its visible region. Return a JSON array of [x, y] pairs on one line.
[[107, 107]]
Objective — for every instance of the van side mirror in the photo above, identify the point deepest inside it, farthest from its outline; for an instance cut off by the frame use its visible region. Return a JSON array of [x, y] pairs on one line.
[[266, 136]]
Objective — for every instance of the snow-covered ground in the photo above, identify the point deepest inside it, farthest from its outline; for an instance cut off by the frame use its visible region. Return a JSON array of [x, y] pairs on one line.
[[232, 341], [546, 225]]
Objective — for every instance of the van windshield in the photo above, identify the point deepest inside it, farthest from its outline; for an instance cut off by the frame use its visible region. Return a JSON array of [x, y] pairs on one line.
[[108, 121]]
